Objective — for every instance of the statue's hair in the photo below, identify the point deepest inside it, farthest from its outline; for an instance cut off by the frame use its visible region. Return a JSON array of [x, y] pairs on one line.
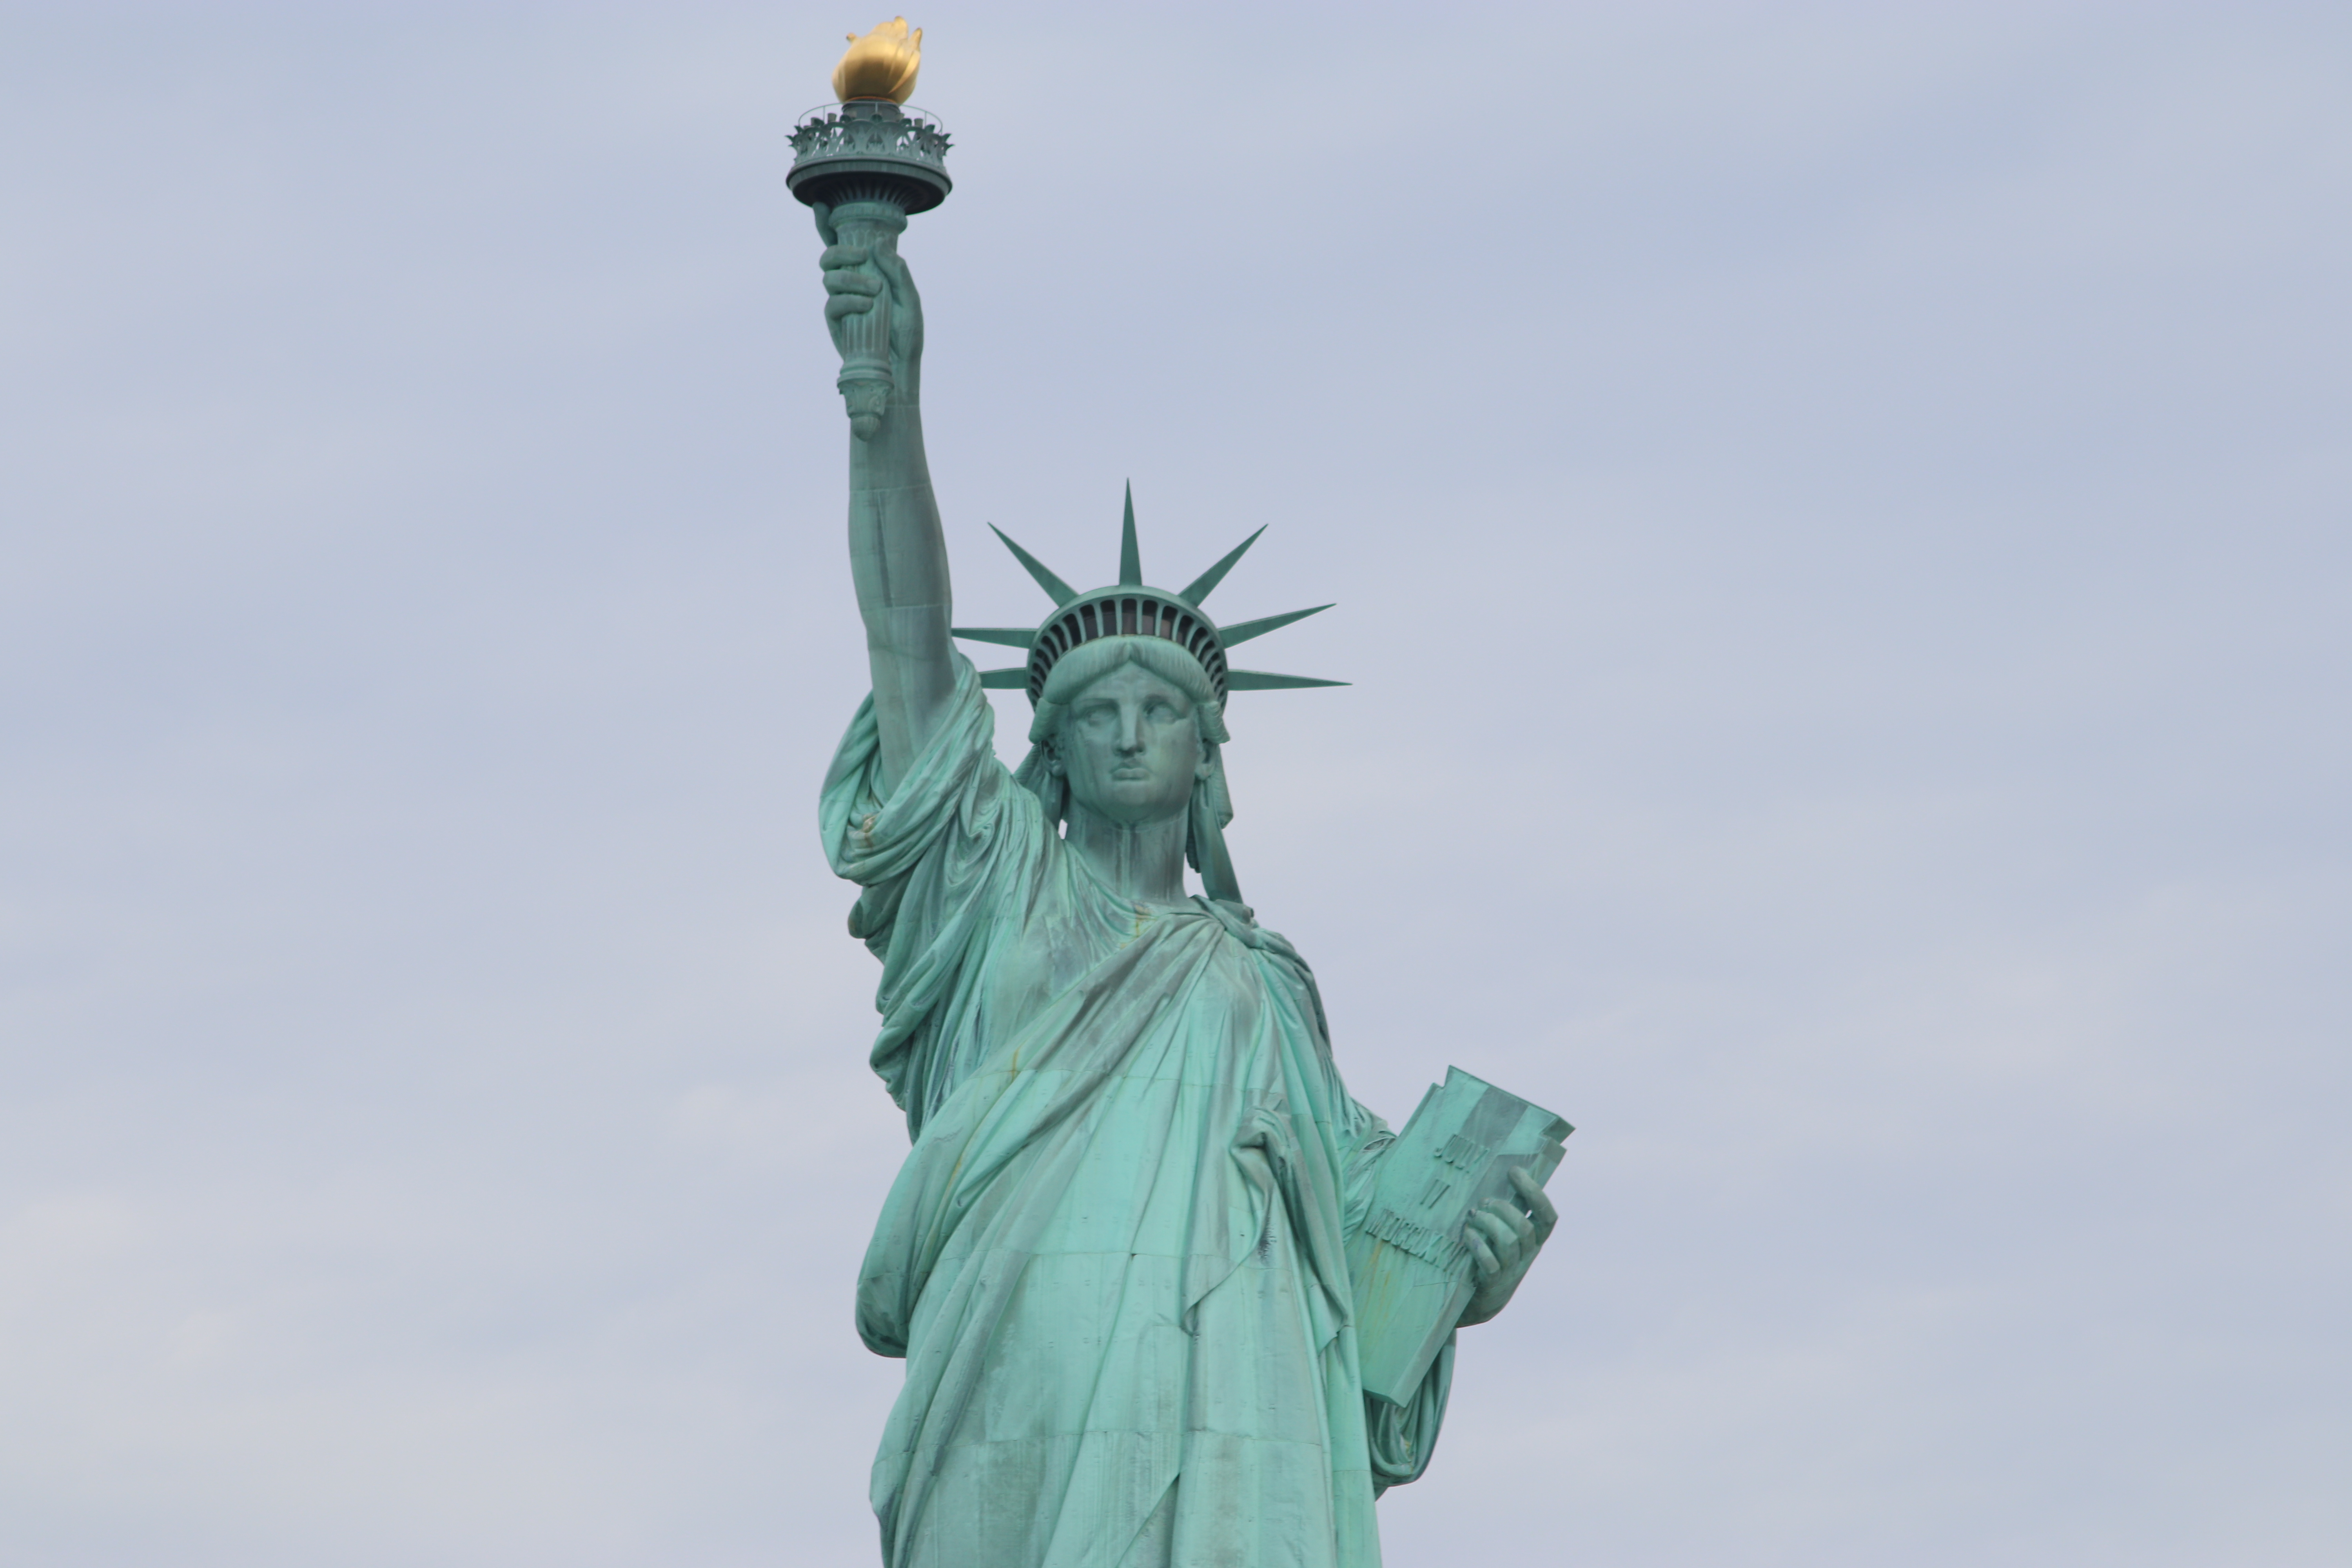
[[1089, 662], [1211, 806]]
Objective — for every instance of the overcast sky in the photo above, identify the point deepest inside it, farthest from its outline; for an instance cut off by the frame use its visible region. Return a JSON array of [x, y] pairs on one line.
[[1839, 519]]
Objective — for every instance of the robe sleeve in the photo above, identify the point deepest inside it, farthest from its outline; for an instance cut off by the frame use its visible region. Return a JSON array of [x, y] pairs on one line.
[[1401, 1436], [956, 842]]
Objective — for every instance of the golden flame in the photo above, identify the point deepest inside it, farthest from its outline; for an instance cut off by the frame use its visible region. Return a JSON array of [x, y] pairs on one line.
[[882, 64]]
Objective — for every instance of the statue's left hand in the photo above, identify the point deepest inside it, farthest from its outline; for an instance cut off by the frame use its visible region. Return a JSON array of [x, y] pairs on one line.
[[1504, 1238]]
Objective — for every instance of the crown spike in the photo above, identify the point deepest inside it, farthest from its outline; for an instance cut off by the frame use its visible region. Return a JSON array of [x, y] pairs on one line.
[[1002, 636], [1060, 591], [1267, 680], [1241, 631], [1207, 581], [1013, 680], [1130, 559]]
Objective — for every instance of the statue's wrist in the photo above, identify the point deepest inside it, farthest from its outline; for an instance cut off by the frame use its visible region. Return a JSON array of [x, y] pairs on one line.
[[894, 446]]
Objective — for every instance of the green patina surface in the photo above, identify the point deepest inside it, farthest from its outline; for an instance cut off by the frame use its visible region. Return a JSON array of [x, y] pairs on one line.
[[1118, 1259]]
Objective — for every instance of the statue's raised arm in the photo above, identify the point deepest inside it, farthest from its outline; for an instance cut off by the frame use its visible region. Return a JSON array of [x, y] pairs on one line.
[[896, 555]]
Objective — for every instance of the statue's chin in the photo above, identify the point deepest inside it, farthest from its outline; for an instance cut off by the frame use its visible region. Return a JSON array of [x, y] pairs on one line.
[[1142, 809]]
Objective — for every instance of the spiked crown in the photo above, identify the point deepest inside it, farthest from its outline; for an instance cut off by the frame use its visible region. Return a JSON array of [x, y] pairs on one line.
[[1128, 608]]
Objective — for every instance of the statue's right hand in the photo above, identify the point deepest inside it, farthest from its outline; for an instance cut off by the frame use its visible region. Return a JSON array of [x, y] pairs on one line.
[[856, 275], [850, 287]]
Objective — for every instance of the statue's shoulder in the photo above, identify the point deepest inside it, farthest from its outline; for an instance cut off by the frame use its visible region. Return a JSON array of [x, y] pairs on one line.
[[1240, 923]]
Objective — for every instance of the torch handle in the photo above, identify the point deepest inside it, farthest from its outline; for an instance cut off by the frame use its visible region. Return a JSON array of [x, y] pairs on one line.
[[865, 381]]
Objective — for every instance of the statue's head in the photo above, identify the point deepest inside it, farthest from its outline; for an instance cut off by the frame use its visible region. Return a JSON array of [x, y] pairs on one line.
[[1130, 726], [1130, 687]]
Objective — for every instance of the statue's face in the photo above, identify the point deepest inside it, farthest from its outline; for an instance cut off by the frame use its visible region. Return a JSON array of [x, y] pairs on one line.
[[1130, 749]]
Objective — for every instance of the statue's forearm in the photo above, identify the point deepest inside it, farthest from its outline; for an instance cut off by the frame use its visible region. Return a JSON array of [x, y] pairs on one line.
[[899, 561]]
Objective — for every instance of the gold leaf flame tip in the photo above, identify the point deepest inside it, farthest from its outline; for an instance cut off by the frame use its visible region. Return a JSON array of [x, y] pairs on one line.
[[882, 64]]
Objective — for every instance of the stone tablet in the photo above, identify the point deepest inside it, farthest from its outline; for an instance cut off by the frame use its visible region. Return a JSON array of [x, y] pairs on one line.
[[1411, 1269]]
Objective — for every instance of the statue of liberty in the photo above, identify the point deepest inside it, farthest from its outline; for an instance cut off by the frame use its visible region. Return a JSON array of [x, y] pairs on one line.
[[1117, 1258]]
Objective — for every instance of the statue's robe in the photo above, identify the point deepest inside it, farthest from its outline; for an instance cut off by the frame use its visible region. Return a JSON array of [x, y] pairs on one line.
[[1115, 1258]]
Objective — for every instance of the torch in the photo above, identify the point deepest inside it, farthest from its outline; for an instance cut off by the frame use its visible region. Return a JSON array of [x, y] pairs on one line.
[[866, 166]]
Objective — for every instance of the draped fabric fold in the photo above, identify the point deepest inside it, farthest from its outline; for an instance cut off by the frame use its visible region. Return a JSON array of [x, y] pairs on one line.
[[1114, 1259]]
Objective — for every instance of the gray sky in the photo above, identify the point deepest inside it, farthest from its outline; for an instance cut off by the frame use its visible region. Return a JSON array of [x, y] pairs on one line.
[[1839, 521]]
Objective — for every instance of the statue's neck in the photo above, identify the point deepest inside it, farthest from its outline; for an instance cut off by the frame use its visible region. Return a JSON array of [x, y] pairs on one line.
[[1145, 863]]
